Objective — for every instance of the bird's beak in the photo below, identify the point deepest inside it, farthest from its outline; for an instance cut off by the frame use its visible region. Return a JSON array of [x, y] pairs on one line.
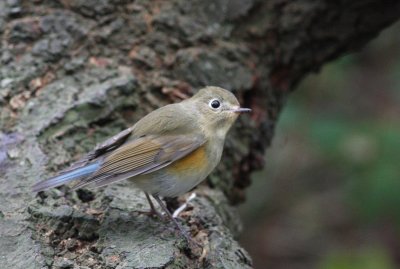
[[240, 110]]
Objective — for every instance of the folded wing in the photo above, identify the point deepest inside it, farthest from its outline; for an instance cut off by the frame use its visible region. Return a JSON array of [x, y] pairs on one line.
[[140, 156]]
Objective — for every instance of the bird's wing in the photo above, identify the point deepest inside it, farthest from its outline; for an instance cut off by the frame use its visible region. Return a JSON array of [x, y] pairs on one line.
[[100, 150], [144, 154], [159, 122]]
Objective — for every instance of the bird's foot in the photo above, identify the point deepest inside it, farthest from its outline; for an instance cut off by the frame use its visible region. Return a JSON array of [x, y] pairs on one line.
[[184, 205], [151, 213]]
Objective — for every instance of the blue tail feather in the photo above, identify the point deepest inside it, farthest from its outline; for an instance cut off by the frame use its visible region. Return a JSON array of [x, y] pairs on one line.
[[67, 177]]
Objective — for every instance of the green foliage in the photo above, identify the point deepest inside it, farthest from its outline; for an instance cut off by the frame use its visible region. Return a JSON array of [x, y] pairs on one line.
[[364, 149], [364, 259]]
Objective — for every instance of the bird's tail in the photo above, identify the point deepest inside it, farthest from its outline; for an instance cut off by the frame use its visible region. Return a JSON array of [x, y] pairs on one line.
[[66, 177]]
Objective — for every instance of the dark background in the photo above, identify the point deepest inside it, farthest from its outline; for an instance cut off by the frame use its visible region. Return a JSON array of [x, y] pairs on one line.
[[329, 195]]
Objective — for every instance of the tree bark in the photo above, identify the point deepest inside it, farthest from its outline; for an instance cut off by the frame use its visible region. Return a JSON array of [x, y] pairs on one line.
[[75, 72]]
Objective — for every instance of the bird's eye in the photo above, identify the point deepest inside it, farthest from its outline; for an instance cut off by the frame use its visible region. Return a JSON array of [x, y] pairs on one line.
[[214, 104]]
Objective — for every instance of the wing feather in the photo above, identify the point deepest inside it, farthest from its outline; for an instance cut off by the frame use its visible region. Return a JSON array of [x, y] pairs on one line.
[[141, 156], [101, 149]]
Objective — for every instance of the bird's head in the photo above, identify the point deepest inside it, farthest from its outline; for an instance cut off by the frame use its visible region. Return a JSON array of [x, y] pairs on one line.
[[218, 109]]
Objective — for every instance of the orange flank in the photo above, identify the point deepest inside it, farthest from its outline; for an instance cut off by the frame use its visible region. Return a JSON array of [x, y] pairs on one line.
[[196, 160]]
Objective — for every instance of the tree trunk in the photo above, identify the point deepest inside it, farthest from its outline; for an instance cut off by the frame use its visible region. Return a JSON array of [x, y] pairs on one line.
[[74, 72]]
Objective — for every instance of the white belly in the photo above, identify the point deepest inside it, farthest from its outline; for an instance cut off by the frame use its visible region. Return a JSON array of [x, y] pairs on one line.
[[166, 185]]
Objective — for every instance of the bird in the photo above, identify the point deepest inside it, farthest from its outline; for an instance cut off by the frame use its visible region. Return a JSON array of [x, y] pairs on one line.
[[165, 154]]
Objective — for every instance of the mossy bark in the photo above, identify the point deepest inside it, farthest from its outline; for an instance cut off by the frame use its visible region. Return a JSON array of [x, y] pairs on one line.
[[75, 72]]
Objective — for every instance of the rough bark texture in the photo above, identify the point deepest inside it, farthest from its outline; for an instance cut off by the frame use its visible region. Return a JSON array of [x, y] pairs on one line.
[[74, 72]]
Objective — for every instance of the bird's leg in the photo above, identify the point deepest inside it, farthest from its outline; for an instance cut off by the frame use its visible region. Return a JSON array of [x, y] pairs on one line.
[[180, 228], [153, 211]]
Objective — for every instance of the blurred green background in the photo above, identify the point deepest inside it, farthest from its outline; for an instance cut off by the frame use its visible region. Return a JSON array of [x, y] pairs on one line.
[[329, 196]]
